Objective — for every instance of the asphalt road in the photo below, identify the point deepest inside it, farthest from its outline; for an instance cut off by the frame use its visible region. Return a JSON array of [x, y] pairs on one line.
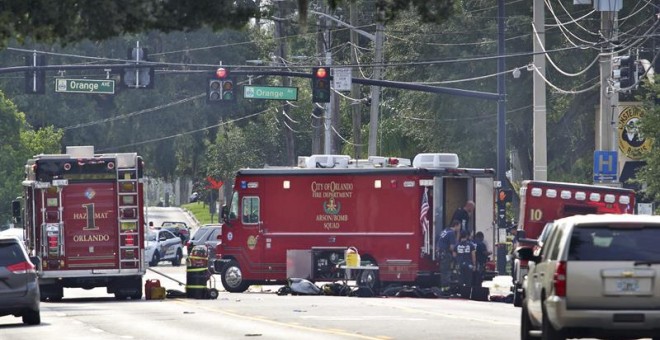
[[261, 313]]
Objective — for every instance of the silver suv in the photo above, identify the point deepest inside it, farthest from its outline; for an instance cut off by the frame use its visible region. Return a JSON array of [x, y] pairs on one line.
[[19, 288], [596, 276]]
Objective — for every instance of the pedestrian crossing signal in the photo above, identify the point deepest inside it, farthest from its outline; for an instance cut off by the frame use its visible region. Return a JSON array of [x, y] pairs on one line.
[[504, 195]]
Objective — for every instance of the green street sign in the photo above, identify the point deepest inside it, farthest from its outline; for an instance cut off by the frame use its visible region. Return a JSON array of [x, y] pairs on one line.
[[96, 86], [270, 92]]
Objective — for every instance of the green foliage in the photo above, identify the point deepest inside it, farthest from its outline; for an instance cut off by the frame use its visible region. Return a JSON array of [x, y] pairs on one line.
[[70, 21], [18, 142]]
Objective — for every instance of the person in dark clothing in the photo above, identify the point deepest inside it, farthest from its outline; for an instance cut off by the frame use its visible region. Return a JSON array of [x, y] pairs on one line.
[[482, 253], [466, 259], [463, 215], [446, 248]]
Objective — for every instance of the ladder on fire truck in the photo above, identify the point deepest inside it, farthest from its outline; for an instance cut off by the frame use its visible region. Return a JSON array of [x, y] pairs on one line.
[[128, 206]]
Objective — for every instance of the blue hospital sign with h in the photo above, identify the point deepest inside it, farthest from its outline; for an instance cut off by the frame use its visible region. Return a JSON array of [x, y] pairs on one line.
[[605, 165]]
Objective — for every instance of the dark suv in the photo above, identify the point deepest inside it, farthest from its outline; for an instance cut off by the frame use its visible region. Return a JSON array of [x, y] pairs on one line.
[[19, 288]]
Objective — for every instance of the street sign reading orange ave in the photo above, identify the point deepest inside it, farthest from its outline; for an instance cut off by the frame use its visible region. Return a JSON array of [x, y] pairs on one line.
[[96, 86]]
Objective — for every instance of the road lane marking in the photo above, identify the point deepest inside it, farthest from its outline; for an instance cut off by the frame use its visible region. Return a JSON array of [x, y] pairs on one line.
[[282, 324]]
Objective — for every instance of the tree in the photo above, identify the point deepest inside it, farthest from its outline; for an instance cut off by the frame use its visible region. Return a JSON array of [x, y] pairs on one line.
[[70, 21], [18, 142]]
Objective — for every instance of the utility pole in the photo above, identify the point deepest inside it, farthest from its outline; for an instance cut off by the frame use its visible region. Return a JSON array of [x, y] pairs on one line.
[[609, 97], [540, 140], [501, 102], [282, 54], [356, 107], [375, 91], [327, 118]]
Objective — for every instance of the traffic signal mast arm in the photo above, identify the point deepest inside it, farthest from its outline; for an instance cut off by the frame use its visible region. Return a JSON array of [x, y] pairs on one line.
[[383, 83], [234, 72]]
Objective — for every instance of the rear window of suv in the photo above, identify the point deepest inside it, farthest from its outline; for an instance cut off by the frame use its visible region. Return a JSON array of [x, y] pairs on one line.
[[10, 253], [604, 243]]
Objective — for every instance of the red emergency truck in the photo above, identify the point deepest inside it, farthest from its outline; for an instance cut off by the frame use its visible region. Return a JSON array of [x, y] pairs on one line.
[[542, 202], [286, 222], [83, 216]]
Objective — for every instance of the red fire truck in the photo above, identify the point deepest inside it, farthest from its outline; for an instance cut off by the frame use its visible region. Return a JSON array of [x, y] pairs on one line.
[[286, 222], [542, 202], [84, 219]]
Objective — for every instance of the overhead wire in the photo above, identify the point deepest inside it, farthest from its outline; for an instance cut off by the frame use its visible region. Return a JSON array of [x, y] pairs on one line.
[[188, 132]]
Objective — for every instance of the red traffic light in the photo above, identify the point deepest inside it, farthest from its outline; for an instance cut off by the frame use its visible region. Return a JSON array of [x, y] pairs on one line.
[[321, 72], [221, 73]]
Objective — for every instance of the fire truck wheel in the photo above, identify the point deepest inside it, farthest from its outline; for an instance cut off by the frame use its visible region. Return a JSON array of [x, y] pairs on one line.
[[177, 259], [369, 279], [155, 259], [51, 292], [232, 278]]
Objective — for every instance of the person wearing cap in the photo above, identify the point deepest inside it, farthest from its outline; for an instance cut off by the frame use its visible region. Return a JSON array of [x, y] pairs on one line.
[[466, 259]]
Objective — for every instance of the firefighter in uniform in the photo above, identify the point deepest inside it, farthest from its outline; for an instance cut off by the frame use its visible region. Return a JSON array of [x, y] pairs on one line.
[[445, 245], [466, 259]]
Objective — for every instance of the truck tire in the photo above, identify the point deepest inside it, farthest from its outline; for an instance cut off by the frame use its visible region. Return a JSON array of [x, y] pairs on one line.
[[154, 259], [32, 317], [232, 278], [369, 278], [177, 259], [517, 295], [51, 292]]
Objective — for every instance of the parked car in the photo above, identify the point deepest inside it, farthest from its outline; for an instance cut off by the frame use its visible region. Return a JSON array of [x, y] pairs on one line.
[[209, 235], [595, 276], [19, 288], [179, 229], [162, 245]]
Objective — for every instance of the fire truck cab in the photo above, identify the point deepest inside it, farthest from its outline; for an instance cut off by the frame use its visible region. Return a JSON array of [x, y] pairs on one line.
[[286, 222], [84, 218], [542, 202]]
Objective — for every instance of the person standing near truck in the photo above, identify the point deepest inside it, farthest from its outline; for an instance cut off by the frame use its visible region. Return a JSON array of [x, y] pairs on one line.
[[482, 254], [446, 247], [466, 259], [463, 215]]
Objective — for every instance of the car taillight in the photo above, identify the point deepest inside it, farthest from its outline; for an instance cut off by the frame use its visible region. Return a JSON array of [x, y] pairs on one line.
[[52, 241], [559, 279], [21, 268]]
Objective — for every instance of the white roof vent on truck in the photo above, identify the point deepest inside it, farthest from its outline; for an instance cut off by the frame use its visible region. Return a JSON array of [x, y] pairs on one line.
[[436, 160], [324, 161]]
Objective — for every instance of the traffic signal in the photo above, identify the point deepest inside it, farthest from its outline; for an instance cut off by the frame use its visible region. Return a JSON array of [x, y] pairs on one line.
[[627, 72], [220, 87], [320, 85], [138, 77]]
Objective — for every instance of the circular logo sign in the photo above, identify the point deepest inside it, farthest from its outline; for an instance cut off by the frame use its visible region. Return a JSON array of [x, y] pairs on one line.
[[230, 236], [251, 242], [631, 141]]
